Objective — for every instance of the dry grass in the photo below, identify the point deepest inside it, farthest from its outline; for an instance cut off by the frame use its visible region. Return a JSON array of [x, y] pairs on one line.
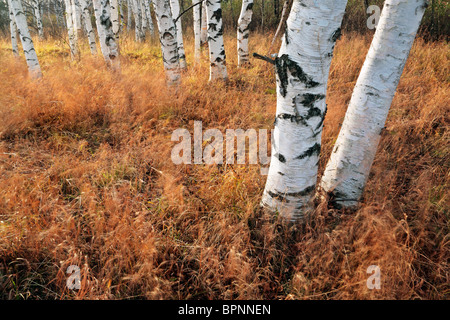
[[86, 179]]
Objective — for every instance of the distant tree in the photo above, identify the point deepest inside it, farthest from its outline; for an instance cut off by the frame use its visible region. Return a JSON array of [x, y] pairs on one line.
[[175, 6], [217, 56], [243, 31], [88, 25], [197, 30], [354, 151], [27, 43]]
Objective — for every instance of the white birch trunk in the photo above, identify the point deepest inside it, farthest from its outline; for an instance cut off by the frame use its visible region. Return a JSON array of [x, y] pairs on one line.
[[197, 30], [108, 44], [348, 168], [204, 25], [129, 14], [217, 57], [143, 16], [148, 14], [140, 35], [302, 68], [73, 36], [37, 14], [88, 26], [13, 29], [27, 43], [175, 6], [168, 39], [76, 11], [243, 32], [115, 18]]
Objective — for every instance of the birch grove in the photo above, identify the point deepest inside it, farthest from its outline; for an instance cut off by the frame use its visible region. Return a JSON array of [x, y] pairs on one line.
[[24, 34], [354, 151], [302, 68]]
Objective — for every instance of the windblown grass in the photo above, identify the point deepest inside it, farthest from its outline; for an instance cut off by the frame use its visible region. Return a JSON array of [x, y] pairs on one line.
[[86, 179]]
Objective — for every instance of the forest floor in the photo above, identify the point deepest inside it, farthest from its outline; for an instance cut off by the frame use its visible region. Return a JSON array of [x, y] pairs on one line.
[[86, 179]]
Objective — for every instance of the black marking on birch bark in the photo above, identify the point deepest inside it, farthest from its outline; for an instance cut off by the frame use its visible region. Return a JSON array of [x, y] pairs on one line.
[[282, 196], [297, 118], [314, 150], [280, 157], [286, 36], [336, 35], [284, 64], [249, 6]]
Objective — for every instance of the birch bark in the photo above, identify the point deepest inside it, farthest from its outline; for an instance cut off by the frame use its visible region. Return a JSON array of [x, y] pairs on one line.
[[37, 14], [148, 14], [204, 24], [13, 29], [217, 56], [302, 69], [197, 30], [108, 45], [243, 32], [348, 168], [168, 39], [175, 6], [73, 36], [115, 18], [136, 8], [88, 26], [27, 43]]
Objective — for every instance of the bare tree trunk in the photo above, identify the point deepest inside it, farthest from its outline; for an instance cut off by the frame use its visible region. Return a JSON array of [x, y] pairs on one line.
[[302, 68], [168, 40], [243, 31], [73, 35], [37, 14], [88, 26], [217, 56], [107, 39], [175, 6], [348, 168], [13, 29], [197, 30], [204, 25], [148, 14], [115, 18], [27, 43], [137, 12]]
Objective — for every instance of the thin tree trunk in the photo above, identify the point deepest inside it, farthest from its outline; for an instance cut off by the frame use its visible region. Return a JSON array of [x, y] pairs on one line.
[[197, 30], [284, 15], [143, 16], [348, 168], [37, 14], [115, 18], [13, 29], [168, 39], [302, 68], [204, 25], [140, 35], [129, 14], [148, 14], [175, 6], [27, 43], [73, 36], [88, 26], [108, 43], [77, 16], [217, 56], [243, 31]]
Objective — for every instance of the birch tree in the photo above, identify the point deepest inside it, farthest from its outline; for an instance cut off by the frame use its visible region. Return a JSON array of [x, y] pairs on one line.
[[137, 13], [197, 30], [204, 24], [88, 26], [115, 18], [175, 6], [302, 69], [218, 69], [148, 14], [243, 31], [27, 43], [37, 15], [348, 168], [76, 11], [13, 29], [108, 44], [73, 36], [168, 39]]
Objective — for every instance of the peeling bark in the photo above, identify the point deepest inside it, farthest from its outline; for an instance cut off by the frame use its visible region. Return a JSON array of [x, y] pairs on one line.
[[302, 69], [349, 166]]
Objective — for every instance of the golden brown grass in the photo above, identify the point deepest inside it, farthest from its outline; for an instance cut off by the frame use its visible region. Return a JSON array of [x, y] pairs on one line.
[[86, 179]]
